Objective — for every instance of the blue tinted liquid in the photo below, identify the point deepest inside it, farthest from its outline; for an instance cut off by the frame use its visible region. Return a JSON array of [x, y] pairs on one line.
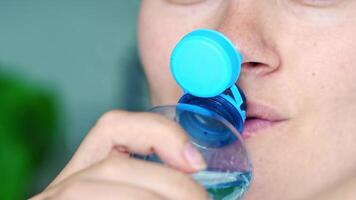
[[224, 185]]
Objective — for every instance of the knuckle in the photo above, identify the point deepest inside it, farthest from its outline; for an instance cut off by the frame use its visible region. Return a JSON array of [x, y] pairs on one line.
[[114, 165], [165, 125], [161, 123], [71, 190], [107, 122], [111, 116]]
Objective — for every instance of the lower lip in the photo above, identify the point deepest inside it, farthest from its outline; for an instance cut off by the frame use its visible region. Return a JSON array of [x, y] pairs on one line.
[[256, 126]]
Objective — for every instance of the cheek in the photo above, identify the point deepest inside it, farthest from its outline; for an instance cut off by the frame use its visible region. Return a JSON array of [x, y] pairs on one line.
[[327, 74], [322, 70], [161, 26], [156, 39], [320, 65]]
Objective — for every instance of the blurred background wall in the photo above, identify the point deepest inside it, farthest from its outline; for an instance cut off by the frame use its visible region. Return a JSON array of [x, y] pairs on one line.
[[82, 54]]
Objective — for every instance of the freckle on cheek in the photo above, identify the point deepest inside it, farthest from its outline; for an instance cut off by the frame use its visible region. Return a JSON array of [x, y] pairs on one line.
[[313, 74]]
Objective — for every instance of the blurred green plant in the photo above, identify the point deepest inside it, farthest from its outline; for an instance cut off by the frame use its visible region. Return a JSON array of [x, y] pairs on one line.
[[28, 124]]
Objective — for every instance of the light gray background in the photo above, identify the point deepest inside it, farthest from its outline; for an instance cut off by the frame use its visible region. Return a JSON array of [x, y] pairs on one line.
[[82, 50]]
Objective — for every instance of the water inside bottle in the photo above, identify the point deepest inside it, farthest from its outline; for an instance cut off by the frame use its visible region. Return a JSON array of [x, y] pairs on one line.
[[224, 185]]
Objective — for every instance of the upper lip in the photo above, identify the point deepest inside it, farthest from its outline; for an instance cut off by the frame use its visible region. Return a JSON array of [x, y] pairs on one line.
[[263, 111]]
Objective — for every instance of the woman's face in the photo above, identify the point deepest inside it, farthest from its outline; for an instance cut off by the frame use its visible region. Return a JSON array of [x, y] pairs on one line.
[[299, 60]]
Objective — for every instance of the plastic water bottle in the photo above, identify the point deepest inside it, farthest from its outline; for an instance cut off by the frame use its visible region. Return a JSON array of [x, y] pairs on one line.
[[212, 111]]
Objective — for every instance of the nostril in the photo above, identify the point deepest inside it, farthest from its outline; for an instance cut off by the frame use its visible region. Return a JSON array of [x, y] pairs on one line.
[[257, 68], [251, 65], [254, 64]]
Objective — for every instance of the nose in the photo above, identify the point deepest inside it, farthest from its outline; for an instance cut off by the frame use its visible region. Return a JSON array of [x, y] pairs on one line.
[[245, 25]]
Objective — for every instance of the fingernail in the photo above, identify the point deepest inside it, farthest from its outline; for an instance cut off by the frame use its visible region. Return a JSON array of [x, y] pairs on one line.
[[193, 156]]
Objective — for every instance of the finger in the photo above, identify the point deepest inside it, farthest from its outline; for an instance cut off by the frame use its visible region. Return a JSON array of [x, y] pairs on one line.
[[170, 183], [97, 190], [141, 133]]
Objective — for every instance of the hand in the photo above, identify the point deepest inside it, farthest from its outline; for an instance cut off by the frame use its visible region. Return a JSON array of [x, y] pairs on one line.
[[101, 168]]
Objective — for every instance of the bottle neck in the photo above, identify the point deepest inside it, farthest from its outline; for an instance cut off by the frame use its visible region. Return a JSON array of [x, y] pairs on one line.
[[225, 105]]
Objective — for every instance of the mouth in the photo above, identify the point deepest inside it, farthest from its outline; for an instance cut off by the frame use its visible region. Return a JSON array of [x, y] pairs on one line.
[[260, 118]]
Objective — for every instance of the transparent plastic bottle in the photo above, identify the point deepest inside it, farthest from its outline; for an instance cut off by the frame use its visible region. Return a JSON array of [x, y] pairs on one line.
[[229, 171], [212, 111]]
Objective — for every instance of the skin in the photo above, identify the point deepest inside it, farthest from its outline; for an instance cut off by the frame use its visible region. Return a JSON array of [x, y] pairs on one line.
[[298, 59]]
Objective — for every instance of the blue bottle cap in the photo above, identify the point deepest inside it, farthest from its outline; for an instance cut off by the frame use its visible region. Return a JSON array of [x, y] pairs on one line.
[[205, 63]]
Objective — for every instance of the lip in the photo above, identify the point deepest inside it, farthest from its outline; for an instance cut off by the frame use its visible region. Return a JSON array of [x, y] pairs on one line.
[[260, 117]]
